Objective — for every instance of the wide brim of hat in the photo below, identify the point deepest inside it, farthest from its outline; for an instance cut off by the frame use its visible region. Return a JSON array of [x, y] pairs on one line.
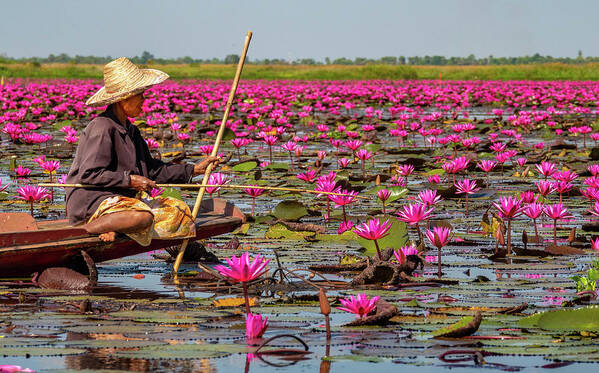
[[149, 78]]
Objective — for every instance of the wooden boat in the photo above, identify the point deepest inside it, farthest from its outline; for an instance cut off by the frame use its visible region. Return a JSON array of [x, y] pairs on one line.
[[27, 246]]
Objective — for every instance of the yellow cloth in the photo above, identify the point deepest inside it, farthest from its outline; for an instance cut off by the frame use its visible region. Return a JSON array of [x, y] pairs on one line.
[[172, 217]]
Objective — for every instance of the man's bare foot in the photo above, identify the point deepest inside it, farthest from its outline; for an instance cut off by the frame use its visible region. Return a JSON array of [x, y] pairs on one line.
[[108, 236]]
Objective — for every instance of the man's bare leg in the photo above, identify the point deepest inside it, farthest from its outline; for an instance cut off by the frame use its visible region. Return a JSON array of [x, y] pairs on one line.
[[123, 222]]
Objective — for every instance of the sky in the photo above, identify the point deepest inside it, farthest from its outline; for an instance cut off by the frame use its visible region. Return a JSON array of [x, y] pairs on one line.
[[299, 29]]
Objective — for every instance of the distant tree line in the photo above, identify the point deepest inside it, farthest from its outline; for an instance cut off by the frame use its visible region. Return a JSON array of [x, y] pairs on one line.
[[148, 58]]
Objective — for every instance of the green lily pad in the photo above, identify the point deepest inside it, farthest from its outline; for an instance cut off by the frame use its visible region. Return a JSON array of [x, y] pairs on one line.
[[580, 319], [245, 166], [279, 231], [169, 317], [173, 193], [397, 237], [290, 210], [108, 343], [40, 351], [278, 166]]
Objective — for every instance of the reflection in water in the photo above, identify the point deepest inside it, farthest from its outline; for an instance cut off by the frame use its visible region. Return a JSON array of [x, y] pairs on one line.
[[103, 359]]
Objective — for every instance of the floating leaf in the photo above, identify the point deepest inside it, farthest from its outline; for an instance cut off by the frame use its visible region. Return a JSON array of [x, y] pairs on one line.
[[465, 327], [228, 134], [243, 229], [278, 166], [40, 351], [397, 192], [173, 193], [245, 166], [279, 231], [580, 319], [290, 210]]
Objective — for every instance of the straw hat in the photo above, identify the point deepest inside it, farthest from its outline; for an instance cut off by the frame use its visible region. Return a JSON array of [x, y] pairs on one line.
[[122, 79]]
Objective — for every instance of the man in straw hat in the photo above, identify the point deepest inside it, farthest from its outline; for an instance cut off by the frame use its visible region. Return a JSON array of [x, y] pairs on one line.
[[113, 156]]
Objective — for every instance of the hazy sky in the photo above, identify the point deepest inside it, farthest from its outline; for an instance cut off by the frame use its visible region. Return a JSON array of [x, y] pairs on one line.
[[299, 29]]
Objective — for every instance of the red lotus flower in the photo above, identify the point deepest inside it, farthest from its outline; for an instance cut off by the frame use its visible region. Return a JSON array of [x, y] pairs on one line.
[[360, 305]]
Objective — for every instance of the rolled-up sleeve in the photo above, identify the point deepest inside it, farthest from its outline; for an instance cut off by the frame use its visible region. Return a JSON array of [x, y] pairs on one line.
[[98, 161]]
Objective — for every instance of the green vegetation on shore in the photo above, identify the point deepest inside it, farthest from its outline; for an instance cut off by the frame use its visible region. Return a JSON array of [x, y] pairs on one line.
[[553, 71]]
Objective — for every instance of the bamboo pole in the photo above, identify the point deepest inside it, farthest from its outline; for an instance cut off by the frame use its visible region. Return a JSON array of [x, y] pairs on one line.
[[224, 186], [219, 136]]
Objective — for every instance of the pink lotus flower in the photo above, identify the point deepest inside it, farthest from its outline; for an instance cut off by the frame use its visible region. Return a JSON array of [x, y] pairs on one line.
[[406, 169], [404, 252], [546, 169], [434, 179], [545, 187], [51, 166], [528, 197], [439, 237], [308, 176], [341, 201], [467, 187], [383, 195], [360, 305], [2, 188], [270, 141], [556, 212], [242, 270], [182, 136], [152, 144], [364, 154], [563, 187], [343, 162], [254, 192], [344, 226], [593, 169], [255, 326], [487, 165], [533, 211], [156, 192], [373, 230], [595, 244], [39, 160], [353, 145], [429, 197], [414, 213], [31, 194], [22, 171], [508, 208], [216, 178]]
